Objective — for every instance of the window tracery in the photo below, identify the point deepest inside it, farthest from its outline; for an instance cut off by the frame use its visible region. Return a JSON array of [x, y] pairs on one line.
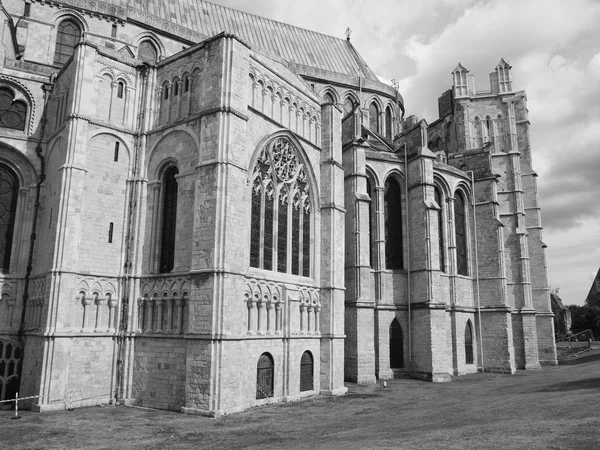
[[147, 52], [13, 113], [279, 243]]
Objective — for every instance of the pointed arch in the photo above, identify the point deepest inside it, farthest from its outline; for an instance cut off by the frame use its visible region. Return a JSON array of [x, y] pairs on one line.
[[282, 188], [469, 358], [460, 232], [392, 211], [396, 345]]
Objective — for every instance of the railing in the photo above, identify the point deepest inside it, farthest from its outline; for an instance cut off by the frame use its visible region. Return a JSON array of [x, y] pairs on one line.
[[574, 344], [16, 400]]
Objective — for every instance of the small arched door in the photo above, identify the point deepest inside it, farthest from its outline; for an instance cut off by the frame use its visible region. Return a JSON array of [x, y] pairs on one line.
[[396, 346], [264, 376], [306, 372]]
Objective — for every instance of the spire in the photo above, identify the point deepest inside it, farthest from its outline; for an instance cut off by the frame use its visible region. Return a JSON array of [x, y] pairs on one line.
[[348, 33]]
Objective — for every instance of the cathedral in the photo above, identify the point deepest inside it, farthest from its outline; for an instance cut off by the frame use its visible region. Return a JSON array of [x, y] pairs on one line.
[[203, 210]]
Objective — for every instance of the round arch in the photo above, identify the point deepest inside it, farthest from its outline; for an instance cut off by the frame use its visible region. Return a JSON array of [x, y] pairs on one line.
[[184, 150]]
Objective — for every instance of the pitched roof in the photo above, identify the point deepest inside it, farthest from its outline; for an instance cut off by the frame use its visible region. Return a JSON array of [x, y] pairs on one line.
[[198, 17]]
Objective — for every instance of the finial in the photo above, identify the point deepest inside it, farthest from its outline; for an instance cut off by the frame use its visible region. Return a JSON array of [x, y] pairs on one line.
[[395, 85], [348, 33]]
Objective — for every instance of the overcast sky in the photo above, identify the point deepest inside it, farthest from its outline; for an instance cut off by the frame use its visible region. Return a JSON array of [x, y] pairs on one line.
[[554, 49]]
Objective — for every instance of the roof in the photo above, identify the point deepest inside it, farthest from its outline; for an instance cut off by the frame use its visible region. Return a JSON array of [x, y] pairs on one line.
[[192, 18]]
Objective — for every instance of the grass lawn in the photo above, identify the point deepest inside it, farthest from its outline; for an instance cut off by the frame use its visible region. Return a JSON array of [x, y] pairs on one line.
[[556, 408]]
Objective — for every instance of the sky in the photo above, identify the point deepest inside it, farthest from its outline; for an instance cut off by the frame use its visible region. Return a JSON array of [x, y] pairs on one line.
[[554, 49]]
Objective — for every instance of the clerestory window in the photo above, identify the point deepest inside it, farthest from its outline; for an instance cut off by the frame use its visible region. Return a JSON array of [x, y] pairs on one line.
[[281, 211], [67, 37]]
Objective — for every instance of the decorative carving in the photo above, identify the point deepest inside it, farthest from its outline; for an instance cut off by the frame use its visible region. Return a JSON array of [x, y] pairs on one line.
[[265, 307]]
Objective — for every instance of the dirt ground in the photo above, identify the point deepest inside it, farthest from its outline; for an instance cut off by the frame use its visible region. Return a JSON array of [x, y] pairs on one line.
[[556, 408]]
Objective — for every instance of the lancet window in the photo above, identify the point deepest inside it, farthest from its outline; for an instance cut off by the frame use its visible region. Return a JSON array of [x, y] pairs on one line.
[[388, 122], [461, 235], [469, 343], [440, 217], [394, 257], [374, 117], [281, 211], [169, 220], [9, 190]]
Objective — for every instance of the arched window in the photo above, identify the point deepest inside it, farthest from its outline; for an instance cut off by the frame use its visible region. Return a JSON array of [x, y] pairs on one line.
[[147, 52], [169, 220], [394, 258], [477, 133], [469, 343], [388, 122], [264, 376], [9, 191], [372, 244], [440, 217], [489, 130], [306, 372], [374, 117], [279, 190], [67, 36], [12, 113], [501, 134], [396, 346], [10, 358], [328, 98], [120, 88], [461, 235], [348, 105]]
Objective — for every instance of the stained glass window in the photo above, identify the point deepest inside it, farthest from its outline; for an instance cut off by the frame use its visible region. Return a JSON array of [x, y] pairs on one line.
[[282, 235], [296, 209], [169, 222], [394, 258], [265, 376], [374, 118], [12, 113], [461, 241], [255, 224], [9, 190], [67, 36], [438, 200], [306, 239], [279, 172]]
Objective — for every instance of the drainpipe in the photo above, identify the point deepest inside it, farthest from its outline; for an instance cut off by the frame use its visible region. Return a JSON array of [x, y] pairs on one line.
[[477, 269], [408, 255], [132, 205], [36, 206]]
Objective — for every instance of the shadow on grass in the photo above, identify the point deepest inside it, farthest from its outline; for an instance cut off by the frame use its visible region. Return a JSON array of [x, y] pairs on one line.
[[587, 383], [582, 359]]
